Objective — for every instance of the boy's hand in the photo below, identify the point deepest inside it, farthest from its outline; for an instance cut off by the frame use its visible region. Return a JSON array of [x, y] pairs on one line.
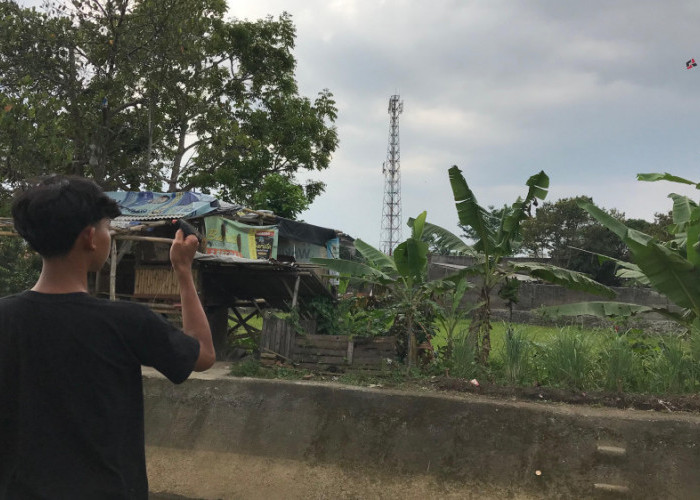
[[182, 250]]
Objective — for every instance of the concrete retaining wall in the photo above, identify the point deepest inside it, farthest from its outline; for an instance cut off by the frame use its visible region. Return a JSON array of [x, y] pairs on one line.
[[383, 434]]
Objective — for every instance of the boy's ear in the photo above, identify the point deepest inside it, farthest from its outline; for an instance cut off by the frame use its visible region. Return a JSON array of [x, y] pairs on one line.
[[86, 238]]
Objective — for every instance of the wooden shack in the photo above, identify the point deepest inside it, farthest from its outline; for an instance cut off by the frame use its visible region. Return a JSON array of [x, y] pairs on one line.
[[239, 270]]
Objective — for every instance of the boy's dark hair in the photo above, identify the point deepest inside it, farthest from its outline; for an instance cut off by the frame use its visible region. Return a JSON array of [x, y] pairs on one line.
[[51, 214]]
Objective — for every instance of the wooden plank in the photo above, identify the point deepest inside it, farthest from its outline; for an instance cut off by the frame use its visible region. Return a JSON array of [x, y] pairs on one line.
[[343, 338], [378, 342], [289, 346], [314, 366], [375, 347], [378, 359], [322, 344], [331, 360], [279, 334], [285, 335], [374, 351], [317, 350], [351, 346]]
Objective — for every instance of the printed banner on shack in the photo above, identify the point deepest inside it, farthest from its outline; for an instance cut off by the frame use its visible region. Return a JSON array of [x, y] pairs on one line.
[[227, 237]]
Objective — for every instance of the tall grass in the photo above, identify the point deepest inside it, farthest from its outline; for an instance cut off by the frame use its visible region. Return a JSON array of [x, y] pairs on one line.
[[621, 368], [463, 356], [673, 369], [577, 358], [515, 356], [567, 360]]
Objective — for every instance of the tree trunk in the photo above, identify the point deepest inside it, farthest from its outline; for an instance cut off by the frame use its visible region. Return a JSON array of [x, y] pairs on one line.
[[177, 161], [480, 329], [78, 163], [412, 348]]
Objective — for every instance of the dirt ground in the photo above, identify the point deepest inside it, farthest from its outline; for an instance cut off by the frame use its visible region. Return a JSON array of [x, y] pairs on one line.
[[666, 403], [598, 399], [256, 478]]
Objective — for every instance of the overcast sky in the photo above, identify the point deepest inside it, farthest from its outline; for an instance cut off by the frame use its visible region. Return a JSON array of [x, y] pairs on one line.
[[590, 92]]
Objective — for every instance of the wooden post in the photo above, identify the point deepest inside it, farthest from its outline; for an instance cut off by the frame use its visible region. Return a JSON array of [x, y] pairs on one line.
[[296, 291], [113, 270], [351, 349]]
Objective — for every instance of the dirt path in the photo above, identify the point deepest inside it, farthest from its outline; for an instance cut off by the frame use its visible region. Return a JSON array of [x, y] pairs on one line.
[[250, 477]]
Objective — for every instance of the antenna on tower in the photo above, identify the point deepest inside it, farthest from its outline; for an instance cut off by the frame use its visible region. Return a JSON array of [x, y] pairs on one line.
[[391, 208]]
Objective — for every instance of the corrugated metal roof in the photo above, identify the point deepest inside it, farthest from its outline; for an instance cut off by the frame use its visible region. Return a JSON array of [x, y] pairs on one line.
[[149, 205]]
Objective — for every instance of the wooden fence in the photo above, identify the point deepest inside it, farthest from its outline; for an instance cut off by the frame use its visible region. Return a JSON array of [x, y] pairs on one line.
[[324, 352]]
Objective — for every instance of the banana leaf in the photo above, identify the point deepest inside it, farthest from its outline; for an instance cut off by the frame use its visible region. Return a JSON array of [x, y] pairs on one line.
[[377, 258], [572, 280], [665, 177], [686, 218], [631, 272], [596, 308], [510, 226], [625, 270], [411, 258], [668, 272], [354, 269], [470, 213], [418, 225], [444, 238]]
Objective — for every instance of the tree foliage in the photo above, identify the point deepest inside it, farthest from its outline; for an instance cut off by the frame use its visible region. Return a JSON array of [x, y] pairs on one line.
[[670, 267], [572, 238], [153, 93], [19, 266]]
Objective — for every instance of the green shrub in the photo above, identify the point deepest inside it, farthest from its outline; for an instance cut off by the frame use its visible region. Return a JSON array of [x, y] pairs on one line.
[[248, 367]]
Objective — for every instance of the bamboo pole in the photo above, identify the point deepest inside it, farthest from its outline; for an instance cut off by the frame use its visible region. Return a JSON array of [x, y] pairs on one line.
[[296, 291], [152, 239]]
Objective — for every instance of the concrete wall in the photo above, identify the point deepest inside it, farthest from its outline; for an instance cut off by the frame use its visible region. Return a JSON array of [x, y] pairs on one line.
[[533, 295], [394, 437]]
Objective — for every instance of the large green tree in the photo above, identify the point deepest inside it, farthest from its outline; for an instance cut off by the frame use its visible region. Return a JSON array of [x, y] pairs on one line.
[[567, 234], [159, 93]]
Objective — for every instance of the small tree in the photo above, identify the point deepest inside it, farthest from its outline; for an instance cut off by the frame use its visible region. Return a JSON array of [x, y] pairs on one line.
[[493, 243]]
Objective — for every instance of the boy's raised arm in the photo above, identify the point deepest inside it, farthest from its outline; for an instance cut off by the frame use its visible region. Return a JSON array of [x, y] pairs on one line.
[[194, 320]]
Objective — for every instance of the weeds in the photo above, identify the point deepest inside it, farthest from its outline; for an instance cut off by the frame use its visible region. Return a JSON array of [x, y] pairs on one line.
[[673, 368], [516, 356], [620, 366], [463, 362], [625, 360], [568, 361]]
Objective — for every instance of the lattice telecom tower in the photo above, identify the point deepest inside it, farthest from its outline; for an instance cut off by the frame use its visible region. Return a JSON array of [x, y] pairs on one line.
[[391, 211]]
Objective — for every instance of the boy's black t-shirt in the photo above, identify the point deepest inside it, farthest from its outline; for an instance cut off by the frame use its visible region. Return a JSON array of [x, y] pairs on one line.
[[71, 396]]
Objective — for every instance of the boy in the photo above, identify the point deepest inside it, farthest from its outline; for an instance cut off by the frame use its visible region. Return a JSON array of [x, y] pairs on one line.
[[71, 401]]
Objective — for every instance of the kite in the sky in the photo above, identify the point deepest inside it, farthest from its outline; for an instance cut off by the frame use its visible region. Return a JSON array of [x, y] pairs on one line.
[[690, 64]]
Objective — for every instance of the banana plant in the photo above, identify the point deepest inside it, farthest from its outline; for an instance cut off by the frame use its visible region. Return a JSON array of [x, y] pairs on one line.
[[671, 268], [403, 277], [496, 240]]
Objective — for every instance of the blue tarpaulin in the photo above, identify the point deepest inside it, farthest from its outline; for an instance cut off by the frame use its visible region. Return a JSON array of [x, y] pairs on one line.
[[145, 205]]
